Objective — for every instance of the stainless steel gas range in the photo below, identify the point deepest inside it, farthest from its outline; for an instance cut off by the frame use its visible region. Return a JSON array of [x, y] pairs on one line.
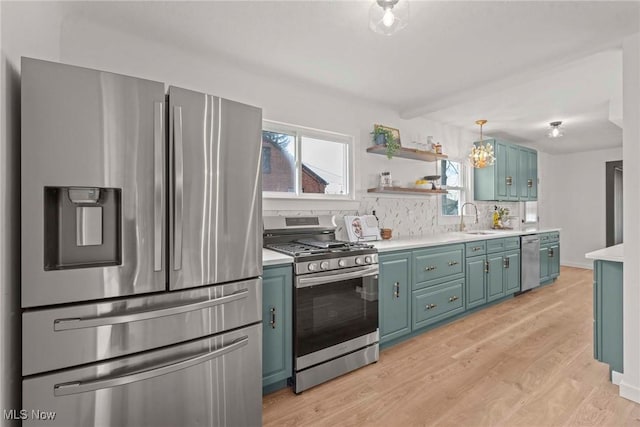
[[335, 302]]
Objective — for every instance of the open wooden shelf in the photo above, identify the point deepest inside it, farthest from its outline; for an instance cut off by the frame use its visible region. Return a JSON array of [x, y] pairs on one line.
[[405, 190], [408, 153]]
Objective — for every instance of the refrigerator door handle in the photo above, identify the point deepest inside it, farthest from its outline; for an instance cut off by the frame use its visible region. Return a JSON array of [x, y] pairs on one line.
[[178, 176], [158, 196], [76, 387], [94, 322]]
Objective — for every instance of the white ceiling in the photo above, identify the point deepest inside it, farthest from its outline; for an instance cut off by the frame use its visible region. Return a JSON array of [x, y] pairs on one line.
[[518, 64]]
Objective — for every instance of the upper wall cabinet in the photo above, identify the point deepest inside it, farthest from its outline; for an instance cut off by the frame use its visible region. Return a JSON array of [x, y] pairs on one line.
[[512, 177]]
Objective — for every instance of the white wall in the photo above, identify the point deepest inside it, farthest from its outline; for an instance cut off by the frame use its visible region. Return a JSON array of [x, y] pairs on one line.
[[572, 197], [630, 384]]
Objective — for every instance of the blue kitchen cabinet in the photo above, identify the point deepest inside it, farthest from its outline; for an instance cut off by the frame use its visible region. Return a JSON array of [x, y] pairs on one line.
[[394, 295], [495, 276], [512, 177], [476, 281], [277, 323], [607, 314], [528, 174], [549, 256], [512, 272]]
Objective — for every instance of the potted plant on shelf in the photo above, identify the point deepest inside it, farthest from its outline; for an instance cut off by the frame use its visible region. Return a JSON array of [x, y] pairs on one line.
[[388, 137]]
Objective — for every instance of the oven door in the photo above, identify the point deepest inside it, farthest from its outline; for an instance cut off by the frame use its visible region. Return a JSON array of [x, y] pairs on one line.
[[335, 313]]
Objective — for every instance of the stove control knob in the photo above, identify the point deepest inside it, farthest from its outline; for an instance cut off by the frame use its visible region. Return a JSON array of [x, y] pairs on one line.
[[313, 266], [324, 265], [358, 260], [342, 263], [367, 259]]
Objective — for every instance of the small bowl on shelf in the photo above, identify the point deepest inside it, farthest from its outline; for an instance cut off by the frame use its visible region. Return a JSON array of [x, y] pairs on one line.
[[426, 186]]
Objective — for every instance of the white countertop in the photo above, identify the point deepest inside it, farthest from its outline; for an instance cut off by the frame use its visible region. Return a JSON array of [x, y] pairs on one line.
[[270, 257], [447, 238], [612, 253]]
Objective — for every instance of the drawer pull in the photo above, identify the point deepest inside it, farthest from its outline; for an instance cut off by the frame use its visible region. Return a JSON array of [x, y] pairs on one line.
[[509, 180], [452, 263], [396, 290], [272, 310], [476, 248], [530, 183], [453, 298], [430, 306], [430, 268]]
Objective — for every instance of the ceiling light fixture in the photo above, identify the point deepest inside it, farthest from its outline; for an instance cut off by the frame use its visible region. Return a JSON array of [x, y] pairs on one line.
[[482, 153], [554, 130], [388, 16]]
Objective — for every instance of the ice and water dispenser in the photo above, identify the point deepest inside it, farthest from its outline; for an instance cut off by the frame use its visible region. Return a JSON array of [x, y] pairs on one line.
[[82, 227]]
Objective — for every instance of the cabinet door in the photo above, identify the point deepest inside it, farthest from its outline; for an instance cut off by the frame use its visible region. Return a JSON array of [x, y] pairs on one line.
[[554, 260], [277, 324], [512, 272], [495, 283], [501, 165], [544, 263], [523, 174], [533, 175], [476, 282], [394, 296], [511, 177]]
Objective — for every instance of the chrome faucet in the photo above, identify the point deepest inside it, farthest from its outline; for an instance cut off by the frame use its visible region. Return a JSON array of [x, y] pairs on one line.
[[462, 214]]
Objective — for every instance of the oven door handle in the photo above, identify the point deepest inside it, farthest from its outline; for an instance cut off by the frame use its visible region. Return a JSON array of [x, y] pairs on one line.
[[303, 282]]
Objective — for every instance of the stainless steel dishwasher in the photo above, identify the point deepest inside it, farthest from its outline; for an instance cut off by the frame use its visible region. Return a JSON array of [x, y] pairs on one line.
[[530, 267]]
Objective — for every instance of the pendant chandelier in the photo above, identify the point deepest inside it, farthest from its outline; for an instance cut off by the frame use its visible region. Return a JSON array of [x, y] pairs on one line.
[[482, 153]]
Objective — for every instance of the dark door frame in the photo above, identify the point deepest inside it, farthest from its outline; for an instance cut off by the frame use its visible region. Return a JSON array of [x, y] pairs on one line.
[[610, 200]]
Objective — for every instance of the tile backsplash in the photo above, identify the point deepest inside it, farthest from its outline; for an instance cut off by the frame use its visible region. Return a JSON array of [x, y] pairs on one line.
[[410, 216]]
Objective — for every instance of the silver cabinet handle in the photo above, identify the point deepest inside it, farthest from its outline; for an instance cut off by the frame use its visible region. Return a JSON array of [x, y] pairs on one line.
[[430, 268], [509, 180], [550, 252], [94, 322], [486, 266], [272, 322], [476, 248], [76, 387], [453, 298], [396, 289], [530, 183], [158, 188], [430, 306], [452, 263], [178, 171]]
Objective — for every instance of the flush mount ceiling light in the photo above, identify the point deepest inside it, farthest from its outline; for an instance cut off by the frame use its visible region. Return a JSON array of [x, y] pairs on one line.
[[482, 153], [554, 130], [388, 16]]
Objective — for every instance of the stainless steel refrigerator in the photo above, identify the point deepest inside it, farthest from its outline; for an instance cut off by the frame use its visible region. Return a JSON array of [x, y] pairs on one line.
[[141, 252]]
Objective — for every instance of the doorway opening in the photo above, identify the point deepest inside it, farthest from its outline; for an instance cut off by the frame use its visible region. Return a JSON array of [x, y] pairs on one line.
[[613, 190]]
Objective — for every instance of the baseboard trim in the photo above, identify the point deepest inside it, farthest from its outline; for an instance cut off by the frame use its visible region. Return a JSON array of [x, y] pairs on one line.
[[587, 265], [616, 377], [629, 391]]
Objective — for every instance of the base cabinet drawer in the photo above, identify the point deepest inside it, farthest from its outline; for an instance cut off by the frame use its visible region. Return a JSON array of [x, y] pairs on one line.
[[431, 266], [437, 303]]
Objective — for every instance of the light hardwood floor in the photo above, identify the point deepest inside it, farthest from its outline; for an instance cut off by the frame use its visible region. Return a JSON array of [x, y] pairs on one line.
[[525, 362]]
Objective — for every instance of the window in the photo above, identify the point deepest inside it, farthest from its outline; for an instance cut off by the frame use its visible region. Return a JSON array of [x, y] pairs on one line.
[[302, 162], [530, 212], [453, 174]]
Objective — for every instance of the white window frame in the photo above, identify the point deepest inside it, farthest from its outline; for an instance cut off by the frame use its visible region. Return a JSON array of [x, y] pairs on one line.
[[465, 193], [299, 132]]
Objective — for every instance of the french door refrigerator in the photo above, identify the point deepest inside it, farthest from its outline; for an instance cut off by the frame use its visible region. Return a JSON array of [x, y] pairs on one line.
[[141, 252]]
